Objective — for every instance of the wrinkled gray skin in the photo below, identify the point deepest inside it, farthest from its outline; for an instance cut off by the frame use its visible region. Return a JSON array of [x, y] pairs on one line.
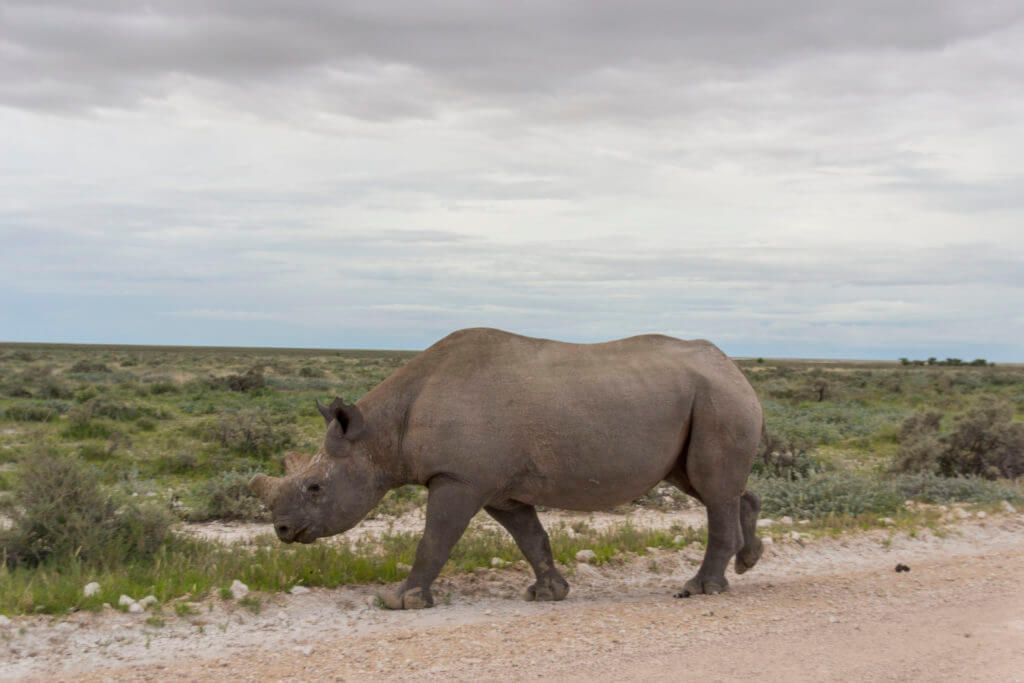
[[493, 420]]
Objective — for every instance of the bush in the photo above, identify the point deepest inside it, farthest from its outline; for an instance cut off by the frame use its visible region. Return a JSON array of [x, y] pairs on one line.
[[310, 371], [251, 380], [58, 510], [83, 366], [785, 458], [825, 494], [227, 496], [249, 432], [35, 412], [984, 442]]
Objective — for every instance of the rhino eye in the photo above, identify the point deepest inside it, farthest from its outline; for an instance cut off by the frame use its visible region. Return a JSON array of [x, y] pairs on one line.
[[313, 488]]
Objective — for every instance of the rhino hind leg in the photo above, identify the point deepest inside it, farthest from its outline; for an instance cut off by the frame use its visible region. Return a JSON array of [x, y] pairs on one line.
[[752, 548], [724, 539], [521, 521], [450, 507]]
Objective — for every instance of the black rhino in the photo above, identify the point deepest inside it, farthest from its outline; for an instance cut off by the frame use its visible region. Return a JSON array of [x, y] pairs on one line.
[[494, 420]]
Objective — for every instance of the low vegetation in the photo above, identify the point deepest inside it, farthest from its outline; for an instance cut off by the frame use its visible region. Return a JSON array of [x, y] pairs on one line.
[[102, 449]]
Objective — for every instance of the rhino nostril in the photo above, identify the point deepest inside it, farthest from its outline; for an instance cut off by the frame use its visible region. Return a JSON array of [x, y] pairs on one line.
[[282, 528]]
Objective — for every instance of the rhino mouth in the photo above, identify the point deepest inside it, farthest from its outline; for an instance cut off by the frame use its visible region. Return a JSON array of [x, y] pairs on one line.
[[305, 535]]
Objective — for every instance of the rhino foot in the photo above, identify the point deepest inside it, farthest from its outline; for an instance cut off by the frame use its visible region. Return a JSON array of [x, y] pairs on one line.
[[402, 598], [697, 586], [748, 556], [551, 588]]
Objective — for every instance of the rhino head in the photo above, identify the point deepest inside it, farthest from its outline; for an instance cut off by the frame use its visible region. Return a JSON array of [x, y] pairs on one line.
[[329, 492]]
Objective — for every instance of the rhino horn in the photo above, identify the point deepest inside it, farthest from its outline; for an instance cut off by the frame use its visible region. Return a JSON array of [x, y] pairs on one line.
[[265, 488], [294, 462]]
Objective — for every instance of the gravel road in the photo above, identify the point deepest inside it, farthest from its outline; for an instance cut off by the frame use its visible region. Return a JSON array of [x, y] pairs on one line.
[[822, 610]]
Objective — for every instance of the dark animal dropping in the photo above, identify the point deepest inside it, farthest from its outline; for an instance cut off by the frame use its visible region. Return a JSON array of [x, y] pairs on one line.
[[902, 568]]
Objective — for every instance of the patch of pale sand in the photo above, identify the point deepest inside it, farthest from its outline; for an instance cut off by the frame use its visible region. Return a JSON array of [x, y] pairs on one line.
[[832, 609], [642, 518]]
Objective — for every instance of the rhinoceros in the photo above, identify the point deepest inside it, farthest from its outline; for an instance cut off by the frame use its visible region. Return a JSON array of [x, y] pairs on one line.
[[494, 420]]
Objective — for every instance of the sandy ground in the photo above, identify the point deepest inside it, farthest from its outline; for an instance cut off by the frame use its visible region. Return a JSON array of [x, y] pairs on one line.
[[823, 610]]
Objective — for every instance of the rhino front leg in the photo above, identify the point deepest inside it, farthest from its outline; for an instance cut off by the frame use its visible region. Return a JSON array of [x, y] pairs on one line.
[[521, 521], [450, 507], [724, 539]]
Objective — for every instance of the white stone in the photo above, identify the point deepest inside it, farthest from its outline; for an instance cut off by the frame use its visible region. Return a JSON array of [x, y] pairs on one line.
[[651, 550], [238, 589], [804, 522], [585, 571], [125, 601], [4, 620], [497, 562], [306, 650], [135, 607], [1008, 508], [91, 589], [403, 567], [833, 619], [299, 590], [767, 540], [678, 540], [586, 555], [148, 600], [761, 523], [981, 514], [787, 520], [888, 521], [961, 513]]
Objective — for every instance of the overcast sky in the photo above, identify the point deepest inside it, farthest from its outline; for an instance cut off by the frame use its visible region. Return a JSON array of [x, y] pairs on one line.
[[799, 178]]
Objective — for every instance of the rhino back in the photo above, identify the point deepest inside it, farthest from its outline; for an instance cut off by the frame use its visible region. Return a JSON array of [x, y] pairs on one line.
[[570, 425]]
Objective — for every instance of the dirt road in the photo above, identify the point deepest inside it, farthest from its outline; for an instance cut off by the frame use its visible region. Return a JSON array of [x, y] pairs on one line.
[[833, 609]]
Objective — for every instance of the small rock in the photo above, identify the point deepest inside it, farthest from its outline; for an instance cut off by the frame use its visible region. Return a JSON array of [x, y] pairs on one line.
[[1008, 508], [833, 619], [787, 520], [980, 514], [238, 589], [299, 590], [678, 540], [106, 605], [135, 608], [586, 555], [403, 567], [148, 600], [585, 571], [761, 523], [4, 620], [804, 522], [91, 589], [497, 562], [306, 650], [960, 513], [767, 540], [125, 601], [888, 521], [651, 550]]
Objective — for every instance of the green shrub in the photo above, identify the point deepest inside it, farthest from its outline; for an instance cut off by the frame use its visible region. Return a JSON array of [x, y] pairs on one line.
[[251, 380], [227, 496], [58, 510], [310, 371], [785, 458], [984, 442], [35, 412], [84, 366], [824, 494], [250, 432]]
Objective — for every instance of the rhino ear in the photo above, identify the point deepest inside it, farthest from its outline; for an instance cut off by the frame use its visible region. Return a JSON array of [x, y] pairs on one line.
[[325, 411], [295, 462], [349, 418]]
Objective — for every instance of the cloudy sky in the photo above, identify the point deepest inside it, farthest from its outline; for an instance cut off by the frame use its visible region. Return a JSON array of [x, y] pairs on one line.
[[808, 178]]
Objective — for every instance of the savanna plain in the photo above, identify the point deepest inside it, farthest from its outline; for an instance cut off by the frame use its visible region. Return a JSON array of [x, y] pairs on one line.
[[124, 469]]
